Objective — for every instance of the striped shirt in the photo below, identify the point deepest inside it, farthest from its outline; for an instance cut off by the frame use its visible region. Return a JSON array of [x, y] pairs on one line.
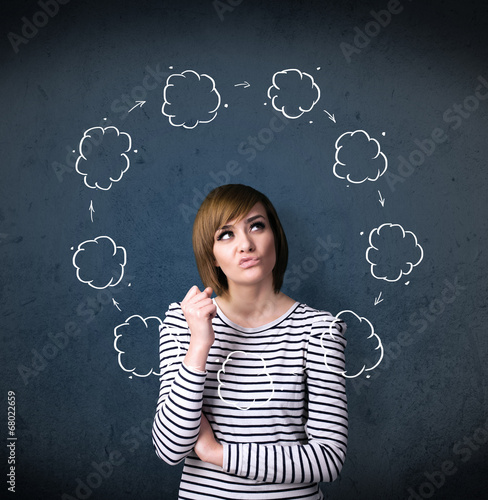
[[275, 398]]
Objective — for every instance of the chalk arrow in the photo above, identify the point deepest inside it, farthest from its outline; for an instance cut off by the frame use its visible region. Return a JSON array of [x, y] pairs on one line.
[[245, 84], [331, 117], [378, 299], [116, 304], [381, 200], [138, 103], [92, 210]]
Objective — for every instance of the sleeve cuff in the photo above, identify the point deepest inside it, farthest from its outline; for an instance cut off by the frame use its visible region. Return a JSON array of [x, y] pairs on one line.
[[231, 452], [193, 370], [239, 459]]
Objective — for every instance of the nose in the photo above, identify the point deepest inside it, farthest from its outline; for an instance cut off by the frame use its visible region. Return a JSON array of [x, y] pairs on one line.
[[245, 243]]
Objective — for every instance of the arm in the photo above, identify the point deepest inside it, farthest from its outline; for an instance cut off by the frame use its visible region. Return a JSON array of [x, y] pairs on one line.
[[207, 448], [183, 357], [322, 457], [177, 419]]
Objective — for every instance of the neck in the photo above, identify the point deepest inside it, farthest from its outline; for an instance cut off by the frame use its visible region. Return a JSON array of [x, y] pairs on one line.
[[251, 302]]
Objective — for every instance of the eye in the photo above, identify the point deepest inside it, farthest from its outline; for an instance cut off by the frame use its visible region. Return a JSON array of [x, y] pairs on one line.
[[259, 225], [225, 235]]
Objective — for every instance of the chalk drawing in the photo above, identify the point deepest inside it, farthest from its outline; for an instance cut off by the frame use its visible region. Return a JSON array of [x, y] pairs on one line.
[[138, 104], [375, 346], [136, 330], [95, 260], [359, 158], [330, 116], [293, 93], [381, 200], [92, 210], [103, 159], [393, 252], [190, 99], [234, 372]]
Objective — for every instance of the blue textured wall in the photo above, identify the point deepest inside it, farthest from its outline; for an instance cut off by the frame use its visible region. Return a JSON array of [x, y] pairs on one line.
[[418, 424]]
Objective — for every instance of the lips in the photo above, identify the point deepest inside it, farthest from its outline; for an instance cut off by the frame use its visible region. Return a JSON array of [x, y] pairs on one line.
[[248, 262]]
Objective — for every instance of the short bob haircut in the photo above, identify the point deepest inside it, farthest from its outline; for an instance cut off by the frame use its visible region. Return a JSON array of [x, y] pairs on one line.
[[223, 204]]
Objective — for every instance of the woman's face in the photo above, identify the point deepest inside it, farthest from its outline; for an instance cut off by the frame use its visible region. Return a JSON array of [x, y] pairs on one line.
[[245, 251]]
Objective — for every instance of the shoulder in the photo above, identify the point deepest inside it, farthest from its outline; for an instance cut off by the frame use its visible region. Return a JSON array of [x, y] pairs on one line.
[[323, 324], [321, 317]]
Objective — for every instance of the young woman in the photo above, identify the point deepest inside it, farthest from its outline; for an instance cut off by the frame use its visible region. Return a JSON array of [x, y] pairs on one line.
[[251, 394]]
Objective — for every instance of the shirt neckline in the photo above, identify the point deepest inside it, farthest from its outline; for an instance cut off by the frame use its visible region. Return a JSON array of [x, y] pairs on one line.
[[257, 328]]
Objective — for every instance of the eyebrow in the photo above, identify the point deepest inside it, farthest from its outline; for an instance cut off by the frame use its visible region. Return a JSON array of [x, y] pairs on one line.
[[228, 226]]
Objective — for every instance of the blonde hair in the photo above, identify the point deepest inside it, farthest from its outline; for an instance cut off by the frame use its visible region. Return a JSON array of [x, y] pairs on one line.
[[221, 205]]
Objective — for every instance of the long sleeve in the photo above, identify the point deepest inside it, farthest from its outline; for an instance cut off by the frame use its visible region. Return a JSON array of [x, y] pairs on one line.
[[177, 420], [322, 456]]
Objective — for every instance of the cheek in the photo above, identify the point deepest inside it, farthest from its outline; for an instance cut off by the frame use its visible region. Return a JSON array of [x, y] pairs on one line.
[[270, 248], [218, 255], [221, 256]]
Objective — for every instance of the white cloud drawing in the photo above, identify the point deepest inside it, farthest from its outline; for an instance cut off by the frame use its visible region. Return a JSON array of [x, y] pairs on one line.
[[359, 158], [244, 386], [190, 99], [98, 262], [293, 92], [103, 159], [393, 252], [133, 339], [373, 345]]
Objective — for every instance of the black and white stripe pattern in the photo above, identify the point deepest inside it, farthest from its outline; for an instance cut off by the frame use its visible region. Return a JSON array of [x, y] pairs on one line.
[[279, 411]]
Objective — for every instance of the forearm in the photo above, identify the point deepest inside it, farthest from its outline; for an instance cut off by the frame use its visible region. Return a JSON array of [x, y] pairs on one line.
[[183, 357], [307, 463], [196, 357], [177, 421]]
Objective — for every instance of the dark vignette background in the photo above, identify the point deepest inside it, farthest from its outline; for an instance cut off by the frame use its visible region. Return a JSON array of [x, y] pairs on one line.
[[425, 406]]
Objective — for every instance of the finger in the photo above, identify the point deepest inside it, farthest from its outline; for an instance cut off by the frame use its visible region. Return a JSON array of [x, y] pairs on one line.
[[191, 292], [202, 312], [199, 297], [208, 311]]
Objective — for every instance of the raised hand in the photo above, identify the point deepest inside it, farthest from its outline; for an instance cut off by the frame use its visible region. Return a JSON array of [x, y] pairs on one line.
[[199, 310]]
